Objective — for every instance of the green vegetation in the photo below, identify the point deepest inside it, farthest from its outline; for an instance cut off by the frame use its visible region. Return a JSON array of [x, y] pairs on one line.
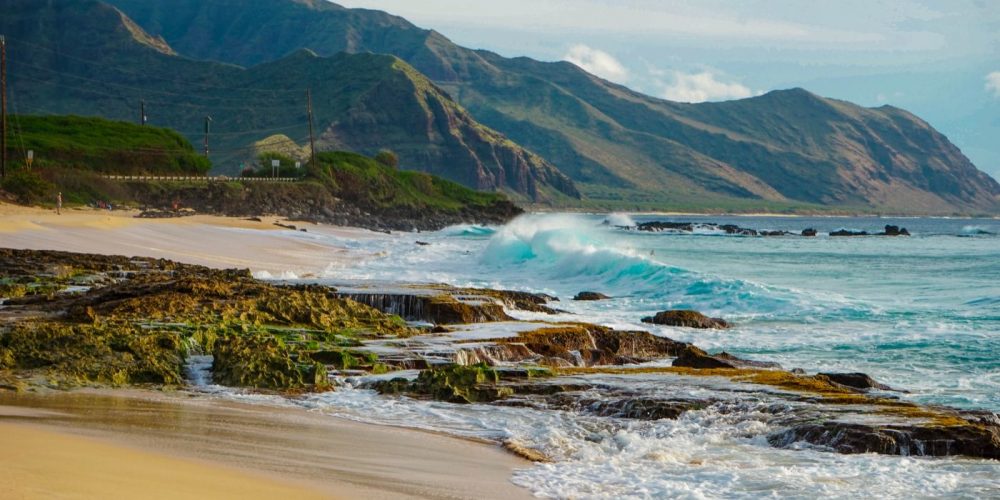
[[361, 102], [788, 150], [103, 146], [452, 383], [72, 154], [286, 166], [387, 158], [370, 185], [84, 149], [140, 330]]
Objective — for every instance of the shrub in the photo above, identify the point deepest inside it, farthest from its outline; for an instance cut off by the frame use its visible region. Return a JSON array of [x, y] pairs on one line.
[[387, 158], [29, 188]]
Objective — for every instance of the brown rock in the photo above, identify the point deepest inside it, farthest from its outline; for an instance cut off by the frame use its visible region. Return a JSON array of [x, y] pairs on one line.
[[686, 318]]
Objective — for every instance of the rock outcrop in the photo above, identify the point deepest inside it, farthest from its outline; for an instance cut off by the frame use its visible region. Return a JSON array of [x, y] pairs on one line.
[[686, 318], [693, 357]]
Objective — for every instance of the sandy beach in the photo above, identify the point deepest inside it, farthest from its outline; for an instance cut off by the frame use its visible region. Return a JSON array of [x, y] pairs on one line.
[[134, 444], [131, 444], [209, 240]]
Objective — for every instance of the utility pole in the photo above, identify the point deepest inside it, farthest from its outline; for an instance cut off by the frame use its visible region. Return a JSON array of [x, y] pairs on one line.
[[312, 139], [208, 120], [3, 112], [142, 112]]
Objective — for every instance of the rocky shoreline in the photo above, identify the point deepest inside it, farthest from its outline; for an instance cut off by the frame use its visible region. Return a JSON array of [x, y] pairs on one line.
[[309, 202], [735, 230], [74, 320]]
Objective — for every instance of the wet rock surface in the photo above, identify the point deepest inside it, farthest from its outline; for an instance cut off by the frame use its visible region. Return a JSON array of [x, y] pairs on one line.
[[686, 318], [917, 440], [590, 296], [693, 357], [139, 320], [856, 380], [891, 230]]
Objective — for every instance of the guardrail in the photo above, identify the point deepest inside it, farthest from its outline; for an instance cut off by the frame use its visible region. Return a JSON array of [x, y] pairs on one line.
[[196, 178]]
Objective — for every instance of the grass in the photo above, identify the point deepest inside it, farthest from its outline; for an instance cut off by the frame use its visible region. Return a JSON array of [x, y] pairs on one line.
[[373, 186], [104, 146]]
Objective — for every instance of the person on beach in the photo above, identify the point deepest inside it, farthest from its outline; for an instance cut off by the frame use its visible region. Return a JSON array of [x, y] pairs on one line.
[[59, 203]]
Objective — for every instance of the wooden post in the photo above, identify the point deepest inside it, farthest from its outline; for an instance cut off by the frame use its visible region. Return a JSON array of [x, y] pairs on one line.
[[208, 119], [3, 112]]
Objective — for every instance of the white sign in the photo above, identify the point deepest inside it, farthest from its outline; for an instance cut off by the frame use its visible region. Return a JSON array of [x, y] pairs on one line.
[[275, 163], [31, 157], [298, 164]]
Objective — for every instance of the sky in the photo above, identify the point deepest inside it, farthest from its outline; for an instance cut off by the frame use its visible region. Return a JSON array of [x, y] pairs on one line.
[[938, 59]]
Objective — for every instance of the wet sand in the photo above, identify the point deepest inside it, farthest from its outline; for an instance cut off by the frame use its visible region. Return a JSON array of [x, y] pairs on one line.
[[132, 444]]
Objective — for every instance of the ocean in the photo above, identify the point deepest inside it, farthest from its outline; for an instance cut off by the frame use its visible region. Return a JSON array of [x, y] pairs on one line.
[[920, 313]]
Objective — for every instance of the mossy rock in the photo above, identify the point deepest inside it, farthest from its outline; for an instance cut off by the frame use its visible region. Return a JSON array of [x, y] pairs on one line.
[[343, 359], [102, 353], [452, 383], [259, 361]]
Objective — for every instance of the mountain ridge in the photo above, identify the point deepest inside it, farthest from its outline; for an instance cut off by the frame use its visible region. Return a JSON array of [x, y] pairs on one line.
[[86, 57], [617, 143], [582, 134]]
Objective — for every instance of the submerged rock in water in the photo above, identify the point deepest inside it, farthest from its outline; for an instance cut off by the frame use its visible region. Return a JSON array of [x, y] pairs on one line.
[[686, 318], [894, 231], [846, 232], [693, 357], [970, 439], [689, 227], [656, 226], [809, 232], [591, 296]]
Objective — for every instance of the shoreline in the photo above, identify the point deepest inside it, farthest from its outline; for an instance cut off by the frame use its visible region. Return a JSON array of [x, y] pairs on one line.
[[208, 240], [265, 450], [368, 460]]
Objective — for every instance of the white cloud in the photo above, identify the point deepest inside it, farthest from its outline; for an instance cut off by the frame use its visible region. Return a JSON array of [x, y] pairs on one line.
[[597, 62], [993, 83], [703, 86]]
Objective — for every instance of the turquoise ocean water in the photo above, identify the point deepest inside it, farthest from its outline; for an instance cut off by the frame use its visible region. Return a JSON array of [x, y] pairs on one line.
[[920, 313]]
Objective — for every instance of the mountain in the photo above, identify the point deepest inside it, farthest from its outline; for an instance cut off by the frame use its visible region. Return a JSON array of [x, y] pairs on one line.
[[86, 57], [785, 148]]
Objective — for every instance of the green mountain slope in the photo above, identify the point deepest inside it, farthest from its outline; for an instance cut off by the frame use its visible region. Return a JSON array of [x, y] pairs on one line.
[[786, 147], [103, 146], [86, 57]]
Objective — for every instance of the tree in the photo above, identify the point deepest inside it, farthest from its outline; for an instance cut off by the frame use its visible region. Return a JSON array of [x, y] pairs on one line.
[[387, 158]]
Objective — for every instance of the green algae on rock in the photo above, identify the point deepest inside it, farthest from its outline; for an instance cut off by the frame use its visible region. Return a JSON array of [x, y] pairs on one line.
[[452, 383], [140, 318]]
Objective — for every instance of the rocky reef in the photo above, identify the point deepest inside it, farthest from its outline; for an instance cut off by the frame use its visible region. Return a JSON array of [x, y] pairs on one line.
[[128, 321], [71, 320]]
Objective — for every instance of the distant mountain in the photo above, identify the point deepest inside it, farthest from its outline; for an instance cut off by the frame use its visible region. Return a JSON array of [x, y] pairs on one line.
[[86, 57], [623, 148]]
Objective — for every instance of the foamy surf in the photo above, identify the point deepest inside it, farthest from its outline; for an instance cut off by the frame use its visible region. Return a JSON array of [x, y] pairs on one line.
[[917, 313]]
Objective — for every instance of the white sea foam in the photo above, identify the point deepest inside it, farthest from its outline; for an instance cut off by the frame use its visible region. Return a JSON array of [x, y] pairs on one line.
[[920, 314]]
